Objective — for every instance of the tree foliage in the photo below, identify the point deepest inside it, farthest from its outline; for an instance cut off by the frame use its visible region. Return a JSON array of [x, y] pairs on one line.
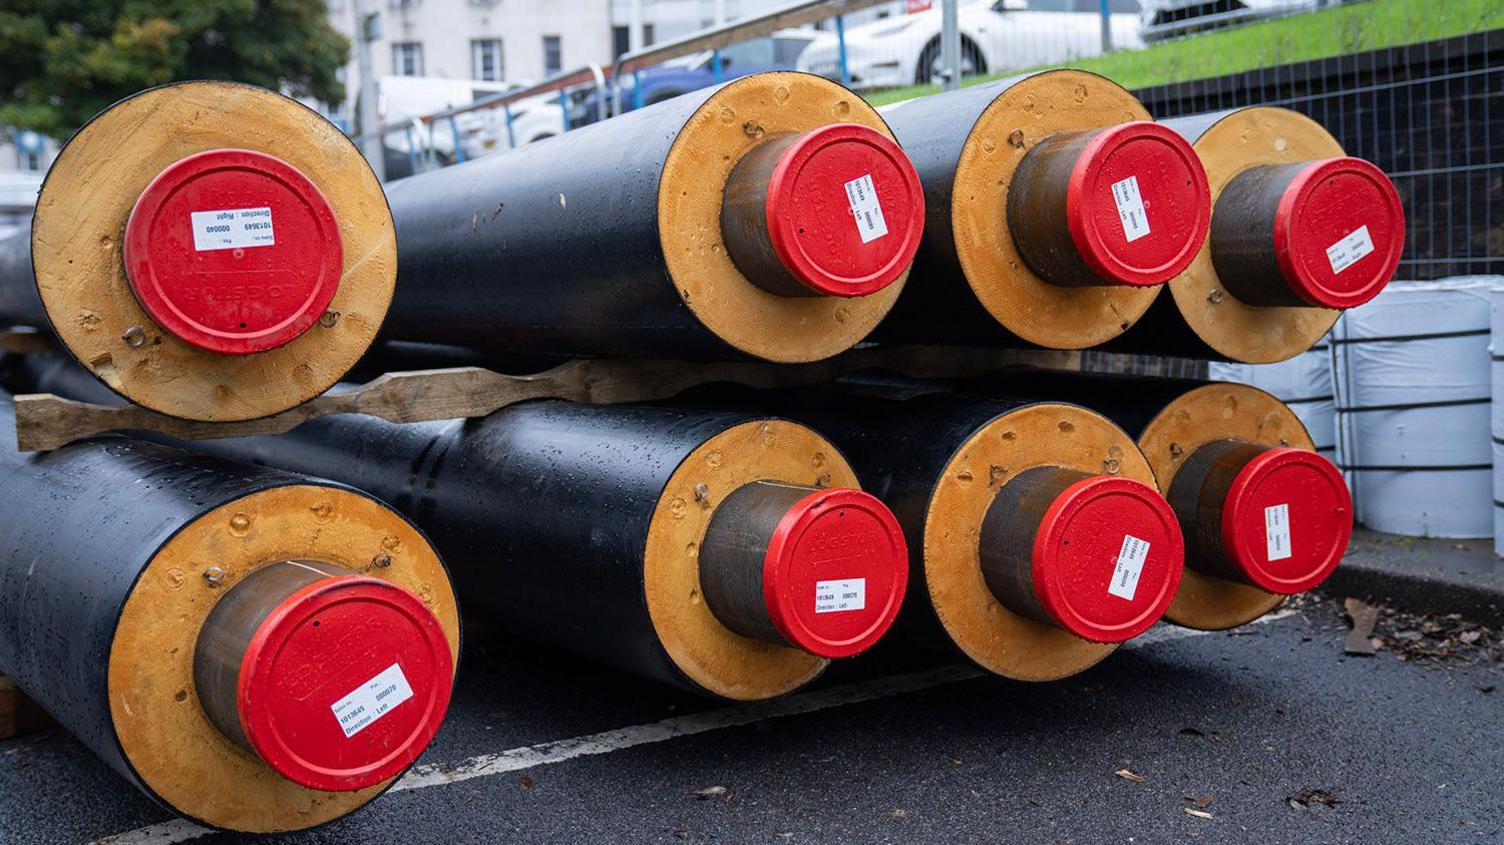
[[62, 61]]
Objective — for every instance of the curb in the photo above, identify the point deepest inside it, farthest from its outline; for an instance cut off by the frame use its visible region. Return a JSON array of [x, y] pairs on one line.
[[1423, 575]]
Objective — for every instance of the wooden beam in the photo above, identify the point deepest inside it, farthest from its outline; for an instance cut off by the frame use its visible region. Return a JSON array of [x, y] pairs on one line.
[[45, 421]]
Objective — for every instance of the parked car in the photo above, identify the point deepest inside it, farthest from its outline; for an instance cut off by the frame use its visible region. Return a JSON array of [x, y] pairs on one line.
[[780, 51], [1170, 18], [402, 100], [996, 35]]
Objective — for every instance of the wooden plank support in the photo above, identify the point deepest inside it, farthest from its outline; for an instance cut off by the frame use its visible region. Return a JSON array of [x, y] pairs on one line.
[[45, 421], [19, 715], [27, 341]]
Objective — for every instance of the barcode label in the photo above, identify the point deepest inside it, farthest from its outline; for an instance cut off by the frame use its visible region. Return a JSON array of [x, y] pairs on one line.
[[835, 596], [1277, 531], [1346, 252], [862, 195], [231, 228], [372, 700], [1131, 559], [1130, 208]]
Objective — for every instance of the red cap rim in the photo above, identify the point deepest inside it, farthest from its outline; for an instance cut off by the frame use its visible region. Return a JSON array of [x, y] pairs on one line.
[[784, 596], [1100, 256], [783, 233], [257, 707], [1288, 216], [1244, 549], [1047, 568], [148, 264]]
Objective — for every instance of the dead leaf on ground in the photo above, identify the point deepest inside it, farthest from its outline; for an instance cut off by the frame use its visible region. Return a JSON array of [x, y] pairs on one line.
[[1307, 797], [711, 792], [525, 782], [898, 814], [1127, 775], [1204, 801], [1200, 814], [1360, 639]]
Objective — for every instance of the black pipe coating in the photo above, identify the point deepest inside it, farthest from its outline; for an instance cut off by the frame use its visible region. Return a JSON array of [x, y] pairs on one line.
[[81, 523], [550, 248], [542, 509], [20, 302]]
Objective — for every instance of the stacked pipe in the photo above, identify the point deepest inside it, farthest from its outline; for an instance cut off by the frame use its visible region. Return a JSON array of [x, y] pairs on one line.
[[730, 554], [772, 216], [1300, 232], [256, 651], [1054, 219], [209, 250], [1038, 542], [1264, 515], [236, 258], [1055, 211]]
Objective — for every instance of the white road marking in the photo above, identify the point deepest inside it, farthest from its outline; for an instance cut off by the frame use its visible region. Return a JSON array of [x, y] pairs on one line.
[[737, 715]]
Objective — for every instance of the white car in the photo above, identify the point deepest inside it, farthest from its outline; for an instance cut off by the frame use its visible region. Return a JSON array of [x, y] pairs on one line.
[[402, 100], [1169, 18], [996, 35]]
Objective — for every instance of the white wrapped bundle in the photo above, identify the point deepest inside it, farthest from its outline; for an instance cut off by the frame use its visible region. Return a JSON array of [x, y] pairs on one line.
[[1411, 376]]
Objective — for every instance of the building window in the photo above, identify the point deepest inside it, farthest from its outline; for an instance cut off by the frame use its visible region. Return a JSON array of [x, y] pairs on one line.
[[407, 59], [486, 60], [553, 55], [621, 40], [647, 35]]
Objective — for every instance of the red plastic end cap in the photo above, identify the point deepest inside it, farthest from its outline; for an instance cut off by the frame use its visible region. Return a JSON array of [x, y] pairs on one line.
[[233, 251], [1287, 520], [1339, 230], [345, 683], [1107, 558], [835, 573], [845, 210], [1138, 204]]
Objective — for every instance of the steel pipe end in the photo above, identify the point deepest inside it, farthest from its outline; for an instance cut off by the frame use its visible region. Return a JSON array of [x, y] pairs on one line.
[[1286, 520], [1101, 556], [836, 211], [337, 681], [233, 251], [835, 573], [1339, 230], [1124, 205], [823, 571]]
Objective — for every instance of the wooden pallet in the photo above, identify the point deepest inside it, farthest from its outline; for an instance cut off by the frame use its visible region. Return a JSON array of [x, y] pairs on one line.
[[45, 421], [18, 714]]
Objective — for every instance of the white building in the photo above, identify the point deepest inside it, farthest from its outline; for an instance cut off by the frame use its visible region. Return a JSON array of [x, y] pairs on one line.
[[492, 40]]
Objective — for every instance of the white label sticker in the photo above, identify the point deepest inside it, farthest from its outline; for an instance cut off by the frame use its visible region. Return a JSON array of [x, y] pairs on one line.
[[232, 228], [372, 700], [1277, 531], [862, 195], [1130, 565], [1346, 252], [1130, 208], [834, 596]]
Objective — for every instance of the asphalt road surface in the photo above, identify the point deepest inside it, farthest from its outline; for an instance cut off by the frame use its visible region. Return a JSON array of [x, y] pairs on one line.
[[1271, 732]]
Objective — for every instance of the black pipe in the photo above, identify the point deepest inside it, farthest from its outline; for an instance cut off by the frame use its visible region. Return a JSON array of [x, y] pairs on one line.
[[901, 439], [82, 525], [559, 247], [20, 303], [563, 497]]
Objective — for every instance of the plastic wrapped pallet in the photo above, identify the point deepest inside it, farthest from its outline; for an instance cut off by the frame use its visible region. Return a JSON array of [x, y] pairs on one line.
[[1410, 371], [1303, 382], [1496, 367]]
